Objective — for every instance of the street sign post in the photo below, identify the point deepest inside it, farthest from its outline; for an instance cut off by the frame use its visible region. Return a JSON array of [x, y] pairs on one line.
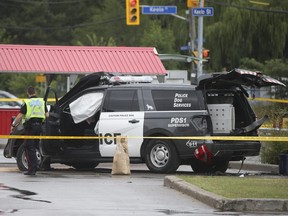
[[159, 10], [204, 11]]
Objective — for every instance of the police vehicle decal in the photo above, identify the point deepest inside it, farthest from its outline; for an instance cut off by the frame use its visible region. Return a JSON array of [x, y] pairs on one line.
[[179, 122], [114, 124], [179, 100]]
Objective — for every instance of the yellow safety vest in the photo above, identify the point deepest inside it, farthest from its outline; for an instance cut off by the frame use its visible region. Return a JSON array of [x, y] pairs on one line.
[[35, 109]]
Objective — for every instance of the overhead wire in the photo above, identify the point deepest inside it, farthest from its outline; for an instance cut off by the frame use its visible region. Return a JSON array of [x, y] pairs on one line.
[[248, 8]]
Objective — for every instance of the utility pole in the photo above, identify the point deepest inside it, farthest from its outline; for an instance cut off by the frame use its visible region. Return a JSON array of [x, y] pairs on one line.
[[192, 28], [200, 43]]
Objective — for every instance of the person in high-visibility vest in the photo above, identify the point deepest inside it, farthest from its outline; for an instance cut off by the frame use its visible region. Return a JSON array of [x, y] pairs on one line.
[[33, 113]]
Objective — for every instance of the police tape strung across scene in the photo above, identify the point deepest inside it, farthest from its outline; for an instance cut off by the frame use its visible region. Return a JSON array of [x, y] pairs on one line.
[[250, 138]]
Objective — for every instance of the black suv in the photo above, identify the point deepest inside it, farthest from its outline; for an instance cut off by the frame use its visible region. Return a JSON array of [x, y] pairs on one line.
[[158, 120]]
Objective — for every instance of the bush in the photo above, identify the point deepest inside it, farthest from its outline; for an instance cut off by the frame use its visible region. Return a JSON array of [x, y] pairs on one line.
[[270, 150], [277, 115]]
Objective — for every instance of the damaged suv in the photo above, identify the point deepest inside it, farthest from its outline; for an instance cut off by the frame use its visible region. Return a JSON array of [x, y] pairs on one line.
[[160, 121]]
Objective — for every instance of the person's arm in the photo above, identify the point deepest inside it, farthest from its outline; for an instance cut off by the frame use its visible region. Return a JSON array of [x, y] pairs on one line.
[[23, 109], [16, 121]]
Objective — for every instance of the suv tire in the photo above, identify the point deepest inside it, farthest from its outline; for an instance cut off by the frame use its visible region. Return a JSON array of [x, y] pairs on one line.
[[161, 156], [201, 167], [22, 160]]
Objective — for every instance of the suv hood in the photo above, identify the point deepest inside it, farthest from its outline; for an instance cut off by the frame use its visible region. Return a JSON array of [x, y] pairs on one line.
[[85, 82], [236, 77]]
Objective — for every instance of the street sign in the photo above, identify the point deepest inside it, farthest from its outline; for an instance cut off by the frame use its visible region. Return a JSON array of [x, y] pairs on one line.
[[183, 48], [40, 78], [159, 10], [204, 11]]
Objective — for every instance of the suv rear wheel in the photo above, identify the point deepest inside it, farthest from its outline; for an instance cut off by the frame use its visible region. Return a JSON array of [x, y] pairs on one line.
[[201, 167], [161, 156]]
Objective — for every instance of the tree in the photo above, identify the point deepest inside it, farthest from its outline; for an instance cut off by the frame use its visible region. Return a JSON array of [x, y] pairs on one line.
[[163, 40], [92, 40], [237, 30]]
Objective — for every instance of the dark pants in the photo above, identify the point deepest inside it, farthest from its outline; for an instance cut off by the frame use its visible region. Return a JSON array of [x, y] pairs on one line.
[[33, 129]]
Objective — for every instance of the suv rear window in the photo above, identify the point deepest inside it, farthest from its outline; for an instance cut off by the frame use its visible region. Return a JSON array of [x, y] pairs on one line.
[[121, 101], [166, 100]]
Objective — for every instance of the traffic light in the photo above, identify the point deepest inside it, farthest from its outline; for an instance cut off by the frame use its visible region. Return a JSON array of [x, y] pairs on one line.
[[194, 3], [206, 54], [132, 12]]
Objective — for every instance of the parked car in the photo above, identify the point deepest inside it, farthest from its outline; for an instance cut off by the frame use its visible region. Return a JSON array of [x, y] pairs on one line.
[[150, 115], [8, 104]]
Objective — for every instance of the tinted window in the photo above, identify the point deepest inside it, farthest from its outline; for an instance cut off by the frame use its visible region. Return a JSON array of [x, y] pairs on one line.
[[121, 101], [166, 100]]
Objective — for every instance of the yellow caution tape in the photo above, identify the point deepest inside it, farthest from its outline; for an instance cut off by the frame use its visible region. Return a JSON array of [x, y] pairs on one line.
[[269, 100], [20, 99], [233, 138], [256, 99]]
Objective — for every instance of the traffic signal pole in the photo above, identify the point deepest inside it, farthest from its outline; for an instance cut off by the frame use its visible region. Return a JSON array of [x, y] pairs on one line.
[[192, 28], [200, 44]]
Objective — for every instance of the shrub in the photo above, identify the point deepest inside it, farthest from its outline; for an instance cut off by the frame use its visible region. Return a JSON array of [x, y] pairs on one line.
[[270, 150], [277, 112]]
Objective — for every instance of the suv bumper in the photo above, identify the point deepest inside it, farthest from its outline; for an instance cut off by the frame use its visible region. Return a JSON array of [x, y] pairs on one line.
[[235, 150]]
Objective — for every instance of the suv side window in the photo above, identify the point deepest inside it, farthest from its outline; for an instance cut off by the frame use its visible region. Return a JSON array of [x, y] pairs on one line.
[[121, 101], [166, 100]]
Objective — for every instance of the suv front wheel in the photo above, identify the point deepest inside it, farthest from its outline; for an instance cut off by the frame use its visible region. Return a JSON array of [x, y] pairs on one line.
[[161, 156], [22, 160]]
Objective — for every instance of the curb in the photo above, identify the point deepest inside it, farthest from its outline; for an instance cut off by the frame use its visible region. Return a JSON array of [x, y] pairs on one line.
[[255, 167], [225, 204]]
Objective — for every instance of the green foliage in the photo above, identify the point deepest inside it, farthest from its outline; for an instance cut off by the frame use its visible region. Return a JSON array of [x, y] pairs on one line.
[[92, 40], [277, 113], [4, 79], [19, 84], [270, 151], [251, 64], [155, 36], [239, 34], [235, 33], [5, 39]]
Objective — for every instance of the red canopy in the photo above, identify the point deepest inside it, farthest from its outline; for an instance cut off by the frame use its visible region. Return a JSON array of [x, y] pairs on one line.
[[79, 59]]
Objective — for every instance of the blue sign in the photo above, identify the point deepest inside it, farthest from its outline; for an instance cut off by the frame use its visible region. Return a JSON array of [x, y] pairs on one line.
[[204, 11], [159, 10], [183, 48]]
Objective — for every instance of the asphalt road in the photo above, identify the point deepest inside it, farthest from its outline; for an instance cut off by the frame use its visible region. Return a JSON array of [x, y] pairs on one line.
[[65, 191]]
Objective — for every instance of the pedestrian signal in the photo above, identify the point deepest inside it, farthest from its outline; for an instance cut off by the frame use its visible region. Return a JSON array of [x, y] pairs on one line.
[[206, 53], [132, 12]]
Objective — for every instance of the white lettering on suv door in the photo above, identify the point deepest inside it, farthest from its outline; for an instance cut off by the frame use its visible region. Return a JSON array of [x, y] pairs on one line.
[[114, 124]]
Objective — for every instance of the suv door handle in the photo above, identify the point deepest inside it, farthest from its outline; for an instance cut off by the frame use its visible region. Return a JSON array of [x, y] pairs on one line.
[[134, 121]]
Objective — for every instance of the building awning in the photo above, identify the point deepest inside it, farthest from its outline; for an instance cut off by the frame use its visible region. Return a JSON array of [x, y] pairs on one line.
[[79, 60]]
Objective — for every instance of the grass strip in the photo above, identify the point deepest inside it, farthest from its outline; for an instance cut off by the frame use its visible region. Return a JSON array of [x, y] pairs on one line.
[[246, 187]]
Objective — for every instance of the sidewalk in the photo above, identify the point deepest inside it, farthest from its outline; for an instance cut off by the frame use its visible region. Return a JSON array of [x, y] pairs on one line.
[[3, 143]]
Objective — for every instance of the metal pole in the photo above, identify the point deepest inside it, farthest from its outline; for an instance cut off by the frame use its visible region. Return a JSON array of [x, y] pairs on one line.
[[192, 43], [200, 43]]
